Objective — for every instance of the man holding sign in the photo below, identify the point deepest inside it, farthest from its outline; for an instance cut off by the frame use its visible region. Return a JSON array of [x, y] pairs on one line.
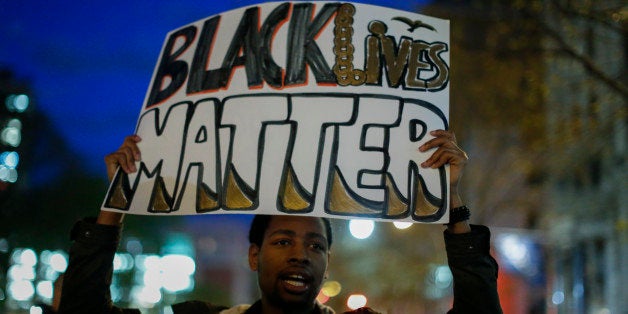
[[296, 112], [290, 253]]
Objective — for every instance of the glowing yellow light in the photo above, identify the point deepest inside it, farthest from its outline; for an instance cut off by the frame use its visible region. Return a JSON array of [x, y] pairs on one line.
[[331, 288]]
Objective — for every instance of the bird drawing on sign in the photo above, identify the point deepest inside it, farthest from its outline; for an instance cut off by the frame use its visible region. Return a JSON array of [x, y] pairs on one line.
[[413, 24]]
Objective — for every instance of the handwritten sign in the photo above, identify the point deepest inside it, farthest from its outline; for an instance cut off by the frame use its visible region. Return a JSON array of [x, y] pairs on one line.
[[294, 108]]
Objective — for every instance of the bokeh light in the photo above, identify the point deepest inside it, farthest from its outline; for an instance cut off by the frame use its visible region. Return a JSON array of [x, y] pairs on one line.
[[183, 264], [356, 301], [17, 103], [21, 290], [35, 310], [147, 296], [331, 288], [122, 262], [558, 297], [12, 133], [44, 289], [443, 278], [361, 228], [402, 225], [58, 262], [19, 272]]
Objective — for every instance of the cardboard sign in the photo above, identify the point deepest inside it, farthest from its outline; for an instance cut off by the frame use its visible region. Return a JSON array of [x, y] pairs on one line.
[[294, 108]]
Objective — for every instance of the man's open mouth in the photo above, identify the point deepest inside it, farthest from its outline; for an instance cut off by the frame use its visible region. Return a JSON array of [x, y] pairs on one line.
[[296, 283], [295, 280]]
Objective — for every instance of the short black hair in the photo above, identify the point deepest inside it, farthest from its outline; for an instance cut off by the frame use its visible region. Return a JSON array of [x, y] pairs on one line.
[[260, 224]]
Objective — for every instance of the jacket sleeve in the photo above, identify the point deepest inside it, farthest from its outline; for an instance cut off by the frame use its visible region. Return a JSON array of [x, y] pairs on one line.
[[87, 280], [474, 271]]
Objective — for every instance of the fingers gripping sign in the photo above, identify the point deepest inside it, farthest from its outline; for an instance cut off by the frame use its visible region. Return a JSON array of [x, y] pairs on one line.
[[447, 152], [125, 157]]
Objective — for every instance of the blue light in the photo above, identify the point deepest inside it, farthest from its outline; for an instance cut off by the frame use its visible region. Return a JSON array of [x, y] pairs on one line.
[[521, 254], [8, 163], [10, 159], [178, 243], [17, 103], [558, 297]]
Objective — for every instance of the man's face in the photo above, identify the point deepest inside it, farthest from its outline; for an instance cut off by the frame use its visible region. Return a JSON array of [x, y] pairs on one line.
[[292, 261]]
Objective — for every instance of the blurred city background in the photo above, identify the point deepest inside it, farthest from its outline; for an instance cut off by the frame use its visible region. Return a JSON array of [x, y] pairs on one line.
[[538, 100]]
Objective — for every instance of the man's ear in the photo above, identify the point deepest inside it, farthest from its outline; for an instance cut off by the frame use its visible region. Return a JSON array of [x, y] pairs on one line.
[[253, 254]]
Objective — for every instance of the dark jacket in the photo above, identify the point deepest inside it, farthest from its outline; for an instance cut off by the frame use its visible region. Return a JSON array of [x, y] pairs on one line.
[[88, 276]]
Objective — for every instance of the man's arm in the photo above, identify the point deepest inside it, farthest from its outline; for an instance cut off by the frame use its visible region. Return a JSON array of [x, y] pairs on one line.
[[448, 152], [87, 280], [474, 271], [473, 268], [124, 158]]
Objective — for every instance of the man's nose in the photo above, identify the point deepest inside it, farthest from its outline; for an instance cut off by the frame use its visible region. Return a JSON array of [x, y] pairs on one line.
[[299, 254]]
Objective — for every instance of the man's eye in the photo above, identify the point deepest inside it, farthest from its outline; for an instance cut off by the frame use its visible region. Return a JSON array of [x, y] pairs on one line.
[[282, 242], [318, 246]]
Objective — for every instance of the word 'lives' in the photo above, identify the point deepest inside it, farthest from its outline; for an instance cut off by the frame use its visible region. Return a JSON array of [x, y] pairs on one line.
[[407, 63]]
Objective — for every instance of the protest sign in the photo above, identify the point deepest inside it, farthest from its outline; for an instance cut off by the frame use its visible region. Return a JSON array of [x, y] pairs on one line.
[[308, 108]]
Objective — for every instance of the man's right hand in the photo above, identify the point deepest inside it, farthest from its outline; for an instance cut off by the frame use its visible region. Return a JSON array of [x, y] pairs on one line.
[[124, 158]]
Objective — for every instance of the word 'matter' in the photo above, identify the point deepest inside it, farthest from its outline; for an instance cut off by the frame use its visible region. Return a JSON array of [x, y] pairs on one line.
[[343, 160]]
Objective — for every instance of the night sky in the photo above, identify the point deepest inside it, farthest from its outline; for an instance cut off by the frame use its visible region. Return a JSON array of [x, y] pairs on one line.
[[89, 63]]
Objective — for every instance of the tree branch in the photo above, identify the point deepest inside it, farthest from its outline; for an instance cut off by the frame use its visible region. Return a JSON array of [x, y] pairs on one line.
[[586, 62], [589, 15]]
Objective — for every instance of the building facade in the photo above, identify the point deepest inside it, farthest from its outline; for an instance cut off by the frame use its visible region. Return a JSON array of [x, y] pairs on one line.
[[586, 221]]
